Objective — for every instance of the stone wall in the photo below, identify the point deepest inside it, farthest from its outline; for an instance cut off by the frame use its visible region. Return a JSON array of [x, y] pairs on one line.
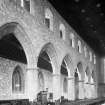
[[39, 37], [6, 70]]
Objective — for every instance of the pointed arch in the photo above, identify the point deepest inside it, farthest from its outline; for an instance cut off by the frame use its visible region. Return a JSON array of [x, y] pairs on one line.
[[44, 61], [66, 73], [17, 80], [80, 70], [50, 55], [68, 64], [17, 31]]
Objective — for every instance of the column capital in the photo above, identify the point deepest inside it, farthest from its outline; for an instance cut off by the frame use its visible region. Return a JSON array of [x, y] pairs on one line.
[[92, 84], [70, 78], [86, 83], [81, 81], [56, 74], [29, 68]]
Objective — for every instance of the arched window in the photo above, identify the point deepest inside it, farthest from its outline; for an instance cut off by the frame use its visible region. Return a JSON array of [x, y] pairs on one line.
[[72, 42], [90, 56], [27, 5], [49, 19], [79, 47], [94, 59], [17, 80], [76, 85], [85, 51], [62, 31], [65, 85]]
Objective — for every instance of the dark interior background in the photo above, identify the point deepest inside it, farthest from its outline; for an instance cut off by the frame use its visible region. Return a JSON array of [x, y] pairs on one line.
[[87, 17]]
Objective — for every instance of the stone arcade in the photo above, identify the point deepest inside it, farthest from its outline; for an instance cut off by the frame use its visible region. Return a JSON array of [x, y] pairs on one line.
[[40, 52]]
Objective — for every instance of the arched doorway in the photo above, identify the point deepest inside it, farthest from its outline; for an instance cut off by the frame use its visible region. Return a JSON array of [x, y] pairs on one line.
[[76, 85], [45, 69], [64, 79], [79, 83], [47, 64], [86, 82], [67, 80], [92, 86]]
